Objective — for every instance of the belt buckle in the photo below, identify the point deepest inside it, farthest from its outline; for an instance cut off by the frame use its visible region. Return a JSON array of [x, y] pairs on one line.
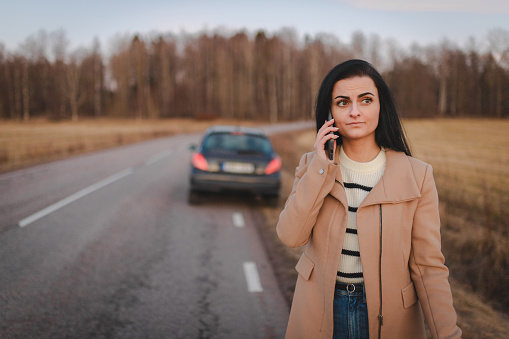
[[348, 288]]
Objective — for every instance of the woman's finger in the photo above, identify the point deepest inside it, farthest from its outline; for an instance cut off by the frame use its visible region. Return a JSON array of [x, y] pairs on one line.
[[325, 129]]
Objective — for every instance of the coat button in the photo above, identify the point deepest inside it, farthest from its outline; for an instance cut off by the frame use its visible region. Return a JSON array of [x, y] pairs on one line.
[[320, 171]]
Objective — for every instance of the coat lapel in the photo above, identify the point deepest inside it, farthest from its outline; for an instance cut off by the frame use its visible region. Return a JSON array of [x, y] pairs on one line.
[[397, 183], [338, 190]]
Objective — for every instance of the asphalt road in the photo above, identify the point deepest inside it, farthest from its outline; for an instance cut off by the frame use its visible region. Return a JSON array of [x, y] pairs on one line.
[[105, 245]]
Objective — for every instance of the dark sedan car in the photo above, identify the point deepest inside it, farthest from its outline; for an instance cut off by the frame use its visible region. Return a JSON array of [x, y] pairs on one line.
[[233, 158]]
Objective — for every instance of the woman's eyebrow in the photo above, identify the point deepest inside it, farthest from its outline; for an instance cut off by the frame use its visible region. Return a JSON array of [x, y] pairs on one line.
[[359, 96], [363, 94]]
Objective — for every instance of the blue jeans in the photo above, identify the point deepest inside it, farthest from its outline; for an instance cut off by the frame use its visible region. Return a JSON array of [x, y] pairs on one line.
[[350, 315]]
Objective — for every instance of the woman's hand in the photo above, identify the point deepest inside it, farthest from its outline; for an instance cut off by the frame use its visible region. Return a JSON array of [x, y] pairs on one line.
[[324, 134]]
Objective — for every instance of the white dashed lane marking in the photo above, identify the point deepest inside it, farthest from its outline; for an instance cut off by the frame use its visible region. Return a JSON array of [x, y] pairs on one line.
[[238, 219], [252, 277]]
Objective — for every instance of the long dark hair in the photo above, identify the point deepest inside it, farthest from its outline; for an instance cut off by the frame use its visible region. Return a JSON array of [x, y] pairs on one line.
[[389, 132]]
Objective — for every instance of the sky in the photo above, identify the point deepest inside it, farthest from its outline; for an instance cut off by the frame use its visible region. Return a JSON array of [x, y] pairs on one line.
[[406, 21]]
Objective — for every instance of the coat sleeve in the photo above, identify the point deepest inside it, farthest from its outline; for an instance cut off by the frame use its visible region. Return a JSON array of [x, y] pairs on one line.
[[427, 264], [314, 179]]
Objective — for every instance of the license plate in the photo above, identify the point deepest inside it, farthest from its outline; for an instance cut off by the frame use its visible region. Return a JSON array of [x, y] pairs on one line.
[[238, 167]]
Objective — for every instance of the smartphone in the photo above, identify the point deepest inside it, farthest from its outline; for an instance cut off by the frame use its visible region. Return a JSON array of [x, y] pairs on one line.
[[329, 144]]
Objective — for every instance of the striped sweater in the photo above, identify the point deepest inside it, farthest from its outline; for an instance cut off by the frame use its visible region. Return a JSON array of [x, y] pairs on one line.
[[358, 178]]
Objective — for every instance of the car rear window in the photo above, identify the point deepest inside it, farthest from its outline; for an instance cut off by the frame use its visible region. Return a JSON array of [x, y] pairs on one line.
[[237, 143]]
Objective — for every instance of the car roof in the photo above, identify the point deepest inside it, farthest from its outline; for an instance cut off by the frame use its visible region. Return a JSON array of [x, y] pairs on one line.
[[233, 129]]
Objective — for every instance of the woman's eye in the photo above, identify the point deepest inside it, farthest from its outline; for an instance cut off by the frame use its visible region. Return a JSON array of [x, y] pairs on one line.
[[342, 103], [367, 100]]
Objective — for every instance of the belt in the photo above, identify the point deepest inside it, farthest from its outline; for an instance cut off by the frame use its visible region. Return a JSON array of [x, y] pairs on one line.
[[349, 287]]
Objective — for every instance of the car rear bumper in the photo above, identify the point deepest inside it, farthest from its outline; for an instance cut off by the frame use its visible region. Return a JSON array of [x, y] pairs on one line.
[[219, 182]]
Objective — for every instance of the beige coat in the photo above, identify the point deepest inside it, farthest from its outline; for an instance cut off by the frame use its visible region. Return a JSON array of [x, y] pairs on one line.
[[414, 277]]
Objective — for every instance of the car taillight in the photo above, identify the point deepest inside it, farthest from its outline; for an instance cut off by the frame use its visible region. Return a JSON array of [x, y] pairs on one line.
[[273, 166], [199, 161]]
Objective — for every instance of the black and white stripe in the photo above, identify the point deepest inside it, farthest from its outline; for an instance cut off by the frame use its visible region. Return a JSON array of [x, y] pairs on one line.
[[358, 179], [358, 186], [347, 254]]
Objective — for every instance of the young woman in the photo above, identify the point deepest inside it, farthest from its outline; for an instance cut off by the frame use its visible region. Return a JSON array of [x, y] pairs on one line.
[[373, 265]]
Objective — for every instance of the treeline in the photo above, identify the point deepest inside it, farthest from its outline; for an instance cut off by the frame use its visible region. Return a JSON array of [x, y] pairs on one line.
[[260, 76]]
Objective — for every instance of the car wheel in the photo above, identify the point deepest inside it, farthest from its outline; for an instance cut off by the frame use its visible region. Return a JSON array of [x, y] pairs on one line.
[[271, 200], [194, 197]]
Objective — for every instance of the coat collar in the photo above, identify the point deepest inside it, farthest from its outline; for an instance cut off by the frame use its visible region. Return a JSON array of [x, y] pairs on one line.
[[397, 184]]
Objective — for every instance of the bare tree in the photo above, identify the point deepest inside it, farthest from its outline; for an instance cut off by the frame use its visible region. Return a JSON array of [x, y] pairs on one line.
[[98, 76], [498, 40], [474, 64], [358, 44], [121, 74], [443, 73], [499, 47], [31, 49], [141, 71], [394, 53], [374, 50], [72, 85], [59, 45], [261, 74], [163, 73], [242, 90], [15, 79]]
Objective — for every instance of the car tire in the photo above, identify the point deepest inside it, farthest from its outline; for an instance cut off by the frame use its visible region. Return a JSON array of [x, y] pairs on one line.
[[194, 197]]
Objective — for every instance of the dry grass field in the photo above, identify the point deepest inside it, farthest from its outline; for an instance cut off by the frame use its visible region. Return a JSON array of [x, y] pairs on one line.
[[471, 167], [470, 159], [24, 144]]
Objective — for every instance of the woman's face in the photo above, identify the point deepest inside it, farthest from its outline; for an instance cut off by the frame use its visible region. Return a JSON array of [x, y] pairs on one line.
[[356, 108]]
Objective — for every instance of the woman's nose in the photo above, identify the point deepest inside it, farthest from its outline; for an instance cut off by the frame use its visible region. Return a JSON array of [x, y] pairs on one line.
[[355, 111]]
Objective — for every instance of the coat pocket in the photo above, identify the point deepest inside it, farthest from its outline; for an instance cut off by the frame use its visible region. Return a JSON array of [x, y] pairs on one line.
[[305, 266], [409, 295]]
